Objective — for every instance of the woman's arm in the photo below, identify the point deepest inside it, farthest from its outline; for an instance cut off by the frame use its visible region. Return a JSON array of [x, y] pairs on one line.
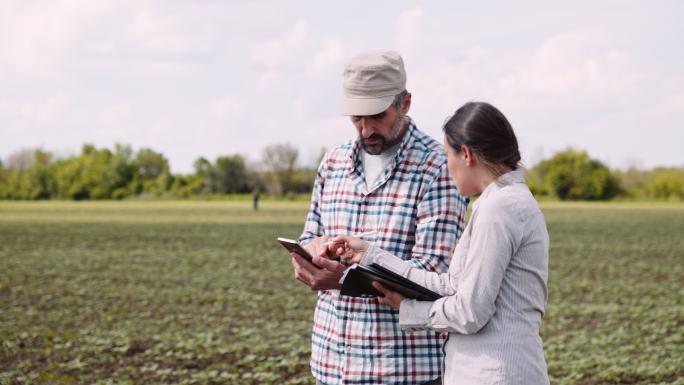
[[492, 244], [440, 283], [355, 250]]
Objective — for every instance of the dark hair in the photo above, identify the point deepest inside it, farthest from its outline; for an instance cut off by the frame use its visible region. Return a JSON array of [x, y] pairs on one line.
[[485, 131], [399, 99]]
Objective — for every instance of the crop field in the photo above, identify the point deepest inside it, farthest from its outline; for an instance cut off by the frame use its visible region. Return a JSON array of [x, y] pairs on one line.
[[200, 293]]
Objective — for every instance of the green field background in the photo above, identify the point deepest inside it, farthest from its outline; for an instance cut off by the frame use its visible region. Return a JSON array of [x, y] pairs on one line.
[[200, 293]]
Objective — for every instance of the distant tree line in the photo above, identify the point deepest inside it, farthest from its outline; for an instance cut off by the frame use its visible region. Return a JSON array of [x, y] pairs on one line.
[[101, 173], [573, 175], [120, 173]]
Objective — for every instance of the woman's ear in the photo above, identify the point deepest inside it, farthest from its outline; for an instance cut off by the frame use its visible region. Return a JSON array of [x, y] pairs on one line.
[[468, 156]]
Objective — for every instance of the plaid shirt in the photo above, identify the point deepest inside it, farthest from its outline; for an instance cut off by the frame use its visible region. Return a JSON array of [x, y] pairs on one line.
[[417, 214]]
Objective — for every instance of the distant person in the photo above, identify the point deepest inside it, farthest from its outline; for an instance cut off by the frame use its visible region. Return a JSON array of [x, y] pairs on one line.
[[255, 200], [495, 291], [391, 183]]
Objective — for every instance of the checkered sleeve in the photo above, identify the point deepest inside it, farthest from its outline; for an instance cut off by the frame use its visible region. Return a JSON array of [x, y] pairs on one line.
[[440, 219]]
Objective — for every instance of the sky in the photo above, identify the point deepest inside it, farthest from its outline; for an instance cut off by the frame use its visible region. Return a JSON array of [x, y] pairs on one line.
[[209, 78]]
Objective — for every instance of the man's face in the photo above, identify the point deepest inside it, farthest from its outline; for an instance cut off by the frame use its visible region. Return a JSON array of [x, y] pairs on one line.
[[380, 132]]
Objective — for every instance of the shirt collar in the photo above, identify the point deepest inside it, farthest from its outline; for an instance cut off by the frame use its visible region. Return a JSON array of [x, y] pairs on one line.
[[515, 176]]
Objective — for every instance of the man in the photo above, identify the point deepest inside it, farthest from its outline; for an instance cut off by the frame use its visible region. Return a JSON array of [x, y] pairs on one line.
[[392, 185]]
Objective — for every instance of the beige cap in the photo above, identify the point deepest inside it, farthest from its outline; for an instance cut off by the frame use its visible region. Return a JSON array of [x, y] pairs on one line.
[[371, 80]]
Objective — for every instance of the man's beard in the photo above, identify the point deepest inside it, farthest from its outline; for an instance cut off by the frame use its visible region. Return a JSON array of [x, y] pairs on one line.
[[383, 144]]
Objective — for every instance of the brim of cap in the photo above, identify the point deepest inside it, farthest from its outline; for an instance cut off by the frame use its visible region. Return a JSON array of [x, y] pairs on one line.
[[364, 106]]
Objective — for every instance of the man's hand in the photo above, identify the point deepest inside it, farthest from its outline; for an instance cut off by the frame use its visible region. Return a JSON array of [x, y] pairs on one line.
[[324, 273]]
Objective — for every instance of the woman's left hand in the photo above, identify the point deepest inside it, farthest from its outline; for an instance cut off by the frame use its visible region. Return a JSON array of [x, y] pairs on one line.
[[391, 298]]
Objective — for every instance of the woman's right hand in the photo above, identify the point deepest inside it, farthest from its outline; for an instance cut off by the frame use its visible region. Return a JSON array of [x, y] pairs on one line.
[[350, 249]]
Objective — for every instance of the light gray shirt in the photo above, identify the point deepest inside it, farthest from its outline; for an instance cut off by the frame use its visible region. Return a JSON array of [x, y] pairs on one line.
[[494, 293]]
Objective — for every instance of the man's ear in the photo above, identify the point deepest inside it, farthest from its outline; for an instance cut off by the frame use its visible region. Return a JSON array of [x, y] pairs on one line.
[[406, 104]]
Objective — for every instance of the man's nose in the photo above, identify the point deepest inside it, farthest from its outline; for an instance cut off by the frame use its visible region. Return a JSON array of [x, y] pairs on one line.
[[367, 127]]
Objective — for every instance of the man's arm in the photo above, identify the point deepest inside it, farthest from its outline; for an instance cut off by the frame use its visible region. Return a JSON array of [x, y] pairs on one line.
[[313, 227], [439, 223], [324, 274]]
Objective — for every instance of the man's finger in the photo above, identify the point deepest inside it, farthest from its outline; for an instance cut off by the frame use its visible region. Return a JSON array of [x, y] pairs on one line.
[[299, 277], [329, 265], [314, 247], [327, 252], [304, 263], [342, 239], [296, 269], [302, 269], [328, 249], [302, 280], [297, 263]]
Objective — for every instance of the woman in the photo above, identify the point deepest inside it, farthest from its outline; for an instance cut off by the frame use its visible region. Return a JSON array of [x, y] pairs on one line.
[[495, 291]]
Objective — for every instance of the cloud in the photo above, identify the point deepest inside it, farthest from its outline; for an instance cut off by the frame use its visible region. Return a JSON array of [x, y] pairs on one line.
[[326, 132], [327, 57], [116, 112], [673, 99], [41, 111], [226, 107], [274, 52], [565, 71], [575, 63], [160, 30], [675, 103], [445, 83], [409, 26], [573, 89], [274, 56], [143, 72], [36, 37]]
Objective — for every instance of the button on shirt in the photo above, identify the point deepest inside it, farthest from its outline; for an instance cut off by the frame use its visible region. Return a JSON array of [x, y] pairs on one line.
[[416, 214], [494, 293]]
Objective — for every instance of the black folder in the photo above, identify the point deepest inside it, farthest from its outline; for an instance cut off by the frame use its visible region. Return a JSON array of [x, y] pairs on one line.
[[357, 280]]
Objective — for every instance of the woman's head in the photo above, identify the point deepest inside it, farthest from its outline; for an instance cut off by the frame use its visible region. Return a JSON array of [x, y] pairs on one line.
[[481, 130]]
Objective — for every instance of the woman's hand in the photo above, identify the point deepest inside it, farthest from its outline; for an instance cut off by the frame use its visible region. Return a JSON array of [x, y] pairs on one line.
[[391, 298], [349, 249]]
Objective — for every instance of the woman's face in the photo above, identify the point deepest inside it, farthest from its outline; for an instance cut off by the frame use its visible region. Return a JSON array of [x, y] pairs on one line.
[[460, 170]]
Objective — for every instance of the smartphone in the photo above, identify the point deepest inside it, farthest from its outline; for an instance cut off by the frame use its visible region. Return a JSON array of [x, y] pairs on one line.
[[294, 247]]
